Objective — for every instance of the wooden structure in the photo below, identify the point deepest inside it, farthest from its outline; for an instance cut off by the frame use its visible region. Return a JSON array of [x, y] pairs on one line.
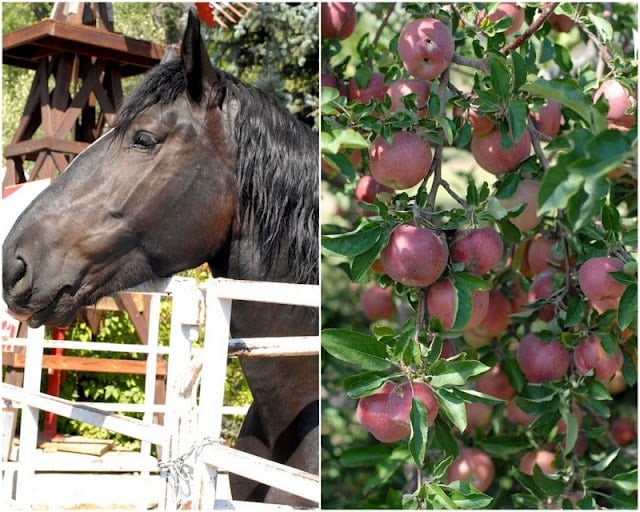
[[185, 475], [79, 62]]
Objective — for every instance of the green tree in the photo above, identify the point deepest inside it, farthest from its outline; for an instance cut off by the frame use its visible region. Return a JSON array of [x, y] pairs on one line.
[[584, 207]]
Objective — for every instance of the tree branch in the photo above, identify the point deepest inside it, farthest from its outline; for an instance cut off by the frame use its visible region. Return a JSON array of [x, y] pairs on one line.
[[535, 141], [547, 10], [481, 64]]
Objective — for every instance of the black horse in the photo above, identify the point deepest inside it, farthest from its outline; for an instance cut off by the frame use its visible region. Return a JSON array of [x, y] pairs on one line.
[[198, 167]]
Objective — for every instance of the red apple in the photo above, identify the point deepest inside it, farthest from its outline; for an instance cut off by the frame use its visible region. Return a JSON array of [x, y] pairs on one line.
[[526, 193], [373, 414], [548, 119], [377, 303], [620, 101], [400, 402], [543, 458], [403, 163], [561, 22], [489, 154], [441, 300], [426, 48], [414, 256], [597, 285], [479, 249], [329, 80], [448, 349], [493, 324], [481, 124], [405, 86], [496, 383], [474, 466], [375, 89], [617, 384], [337, 20], [623, 431], [518, 297], [539, 256], [541, 361], [517, 415], [589, 354], [508, 10], [367, 189], [478, 417], [542, 288]]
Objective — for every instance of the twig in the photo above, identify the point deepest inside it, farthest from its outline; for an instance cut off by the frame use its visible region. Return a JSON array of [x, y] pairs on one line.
[[537, 148], [383, 24], [547, 10], [481, 64]]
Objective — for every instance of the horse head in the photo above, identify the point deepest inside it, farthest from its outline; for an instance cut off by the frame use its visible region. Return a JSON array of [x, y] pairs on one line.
[[155, 195]]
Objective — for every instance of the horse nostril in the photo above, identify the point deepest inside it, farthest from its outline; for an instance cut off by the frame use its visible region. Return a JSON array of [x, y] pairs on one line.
[[14, 274]]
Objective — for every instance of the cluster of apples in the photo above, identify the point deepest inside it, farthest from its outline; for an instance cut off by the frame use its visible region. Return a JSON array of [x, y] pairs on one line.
[[419, 257]]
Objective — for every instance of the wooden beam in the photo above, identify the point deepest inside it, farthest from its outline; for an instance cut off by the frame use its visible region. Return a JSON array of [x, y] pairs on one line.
[[86, 364]]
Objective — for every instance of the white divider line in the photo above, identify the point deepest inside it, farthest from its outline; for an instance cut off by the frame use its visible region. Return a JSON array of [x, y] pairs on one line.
[[268, 472], [128, 426]]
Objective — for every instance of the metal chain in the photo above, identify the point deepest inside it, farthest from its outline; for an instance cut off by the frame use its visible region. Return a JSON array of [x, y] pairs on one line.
[[182, 473]]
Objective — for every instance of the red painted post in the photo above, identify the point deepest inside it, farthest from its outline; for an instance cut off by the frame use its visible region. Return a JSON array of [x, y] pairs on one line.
[[50, 430]]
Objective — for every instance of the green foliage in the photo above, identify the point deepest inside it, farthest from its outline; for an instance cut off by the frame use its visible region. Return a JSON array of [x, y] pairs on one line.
[[588, 205]]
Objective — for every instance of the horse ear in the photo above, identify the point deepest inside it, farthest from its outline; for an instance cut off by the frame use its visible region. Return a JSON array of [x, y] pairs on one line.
[[198, 67], [169, 54]]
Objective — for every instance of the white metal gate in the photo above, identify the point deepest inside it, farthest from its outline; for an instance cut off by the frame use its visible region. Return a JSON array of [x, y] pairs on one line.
[[189, 441]]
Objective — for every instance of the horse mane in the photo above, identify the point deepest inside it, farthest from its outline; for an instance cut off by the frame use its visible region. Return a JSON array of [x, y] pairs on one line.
[[277, 165]]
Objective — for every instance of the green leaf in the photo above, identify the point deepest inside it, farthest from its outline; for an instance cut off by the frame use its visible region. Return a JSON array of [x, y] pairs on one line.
[[602, 26], [362, 76], [500, 76], [455, 373], [587, 203], [553, 486], [364, 384], [572, 430], [628, 308], [419, 431], [539, 407], [519, 70], [627, 482], [354, 242], [606, 461], [467, 497], [365, 456], [569, 93], [444, 439], [562, 58], [363, 261], [576, 308], [355, 348], [505, 444], [518, 119], [452, 407], [557, 187]]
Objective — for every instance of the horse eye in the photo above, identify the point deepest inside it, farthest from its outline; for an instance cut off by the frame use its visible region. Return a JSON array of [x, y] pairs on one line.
[[144, 140]]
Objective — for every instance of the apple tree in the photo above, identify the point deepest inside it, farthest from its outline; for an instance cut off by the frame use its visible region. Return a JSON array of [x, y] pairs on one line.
[[479, 255]]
